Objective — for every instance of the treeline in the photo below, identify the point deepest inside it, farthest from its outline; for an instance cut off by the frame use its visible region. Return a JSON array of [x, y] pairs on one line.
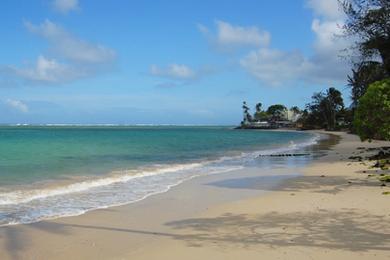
[[368, 23], [273, 113], [326, 110]]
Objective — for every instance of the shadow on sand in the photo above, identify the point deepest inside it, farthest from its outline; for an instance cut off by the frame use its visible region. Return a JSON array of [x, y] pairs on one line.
[[349, 230], [346, 230]]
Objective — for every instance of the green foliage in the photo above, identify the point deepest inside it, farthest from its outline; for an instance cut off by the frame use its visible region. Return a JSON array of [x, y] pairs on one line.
[[385, 178], [372, 117], [363, 75], [247, 116], [333, 104], [276, 112], [324, 110], [368, 22], [261, 116]]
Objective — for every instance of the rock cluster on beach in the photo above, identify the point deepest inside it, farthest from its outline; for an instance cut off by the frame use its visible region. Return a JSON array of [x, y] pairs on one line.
[[284, 155]]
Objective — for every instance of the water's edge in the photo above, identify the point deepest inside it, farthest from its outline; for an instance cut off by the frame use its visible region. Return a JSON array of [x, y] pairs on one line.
[[22, 207]]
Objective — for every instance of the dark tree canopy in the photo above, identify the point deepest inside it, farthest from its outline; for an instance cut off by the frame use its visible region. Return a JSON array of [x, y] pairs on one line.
[[247, 115], [260, 115], [363, 75], [276, 111], [258, 107], [333, 104], [369, 21], [323, 110], [295, 109]]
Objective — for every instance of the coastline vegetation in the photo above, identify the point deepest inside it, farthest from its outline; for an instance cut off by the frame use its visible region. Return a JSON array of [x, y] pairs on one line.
[[368, 24]]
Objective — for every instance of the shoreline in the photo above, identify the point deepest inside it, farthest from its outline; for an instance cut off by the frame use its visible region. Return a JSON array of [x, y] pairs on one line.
[[231, 216], [70, 187]]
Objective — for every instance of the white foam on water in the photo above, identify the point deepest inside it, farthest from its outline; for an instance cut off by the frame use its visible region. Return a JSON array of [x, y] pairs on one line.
[[119, 188], [23, 196]]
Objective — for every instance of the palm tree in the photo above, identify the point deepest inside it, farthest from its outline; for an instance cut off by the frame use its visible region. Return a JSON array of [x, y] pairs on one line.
[[295, 110], [247, 116]]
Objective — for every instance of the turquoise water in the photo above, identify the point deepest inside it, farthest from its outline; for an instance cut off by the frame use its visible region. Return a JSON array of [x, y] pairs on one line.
[[47, 172]]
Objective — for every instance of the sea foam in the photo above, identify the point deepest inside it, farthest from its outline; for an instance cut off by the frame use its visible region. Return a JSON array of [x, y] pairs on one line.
[[118, 188]]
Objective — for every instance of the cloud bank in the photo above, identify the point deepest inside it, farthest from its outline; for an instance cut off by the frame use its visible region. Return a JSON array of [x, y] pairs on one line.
[[273, 66], [48, 71], [325, 65], [68, 46], [68, 58]]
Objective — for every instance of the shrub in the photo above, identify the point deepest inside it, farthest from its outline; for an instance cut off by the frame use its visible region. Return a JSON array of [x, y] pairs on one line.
[[372, 118]]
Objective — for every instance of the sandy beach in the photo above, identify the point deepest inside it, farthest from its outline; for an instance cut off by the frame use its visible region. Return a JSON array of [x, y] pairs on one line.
[[328, 209]]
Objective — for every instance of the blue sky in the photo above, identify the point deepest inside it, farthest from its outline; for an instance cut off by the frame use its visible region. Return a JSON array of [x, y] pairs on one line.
[[164, 62]]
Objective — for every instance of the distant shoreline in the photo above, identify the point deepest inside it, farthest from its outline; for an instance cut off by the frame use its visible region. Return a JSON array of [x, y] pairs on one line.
[[21, 125]]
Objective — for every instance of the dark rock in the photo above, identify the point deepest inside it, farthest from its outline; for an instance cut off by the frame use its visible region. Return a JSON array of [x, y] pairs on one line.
[[359, 158], [284, 155]]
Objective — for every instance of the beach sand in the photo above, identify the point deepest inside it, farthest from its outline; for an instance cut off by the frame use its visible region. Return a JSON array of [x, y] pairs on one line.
[[332, 210]]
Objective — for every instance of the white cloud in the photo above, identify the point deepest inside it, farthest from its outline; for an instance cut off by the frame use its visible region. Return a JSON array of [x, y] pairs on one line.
[[327, 9], [48, 71], [274, 66], [69, 58], [17, 105], [231, 36], [325, 33], [237, 35], [70, 47], [330, 46], [325, 65], [174, 71], [65, 6]]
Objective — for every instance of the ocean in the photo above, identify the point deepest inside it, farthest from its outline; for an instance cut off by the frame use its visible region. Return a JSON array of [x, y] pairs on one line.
[[53, 171]]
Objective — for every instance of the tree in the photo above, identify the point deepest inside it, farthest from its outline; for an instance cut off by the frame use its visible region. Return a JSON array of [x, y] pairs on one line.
[[324, 109], [372, 117], [295, 110], [247, 116], [260, 115], [369, 21], [310, 119], [315, 112], [363, 75], [276, 112], [258, 107], [333, 104]]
